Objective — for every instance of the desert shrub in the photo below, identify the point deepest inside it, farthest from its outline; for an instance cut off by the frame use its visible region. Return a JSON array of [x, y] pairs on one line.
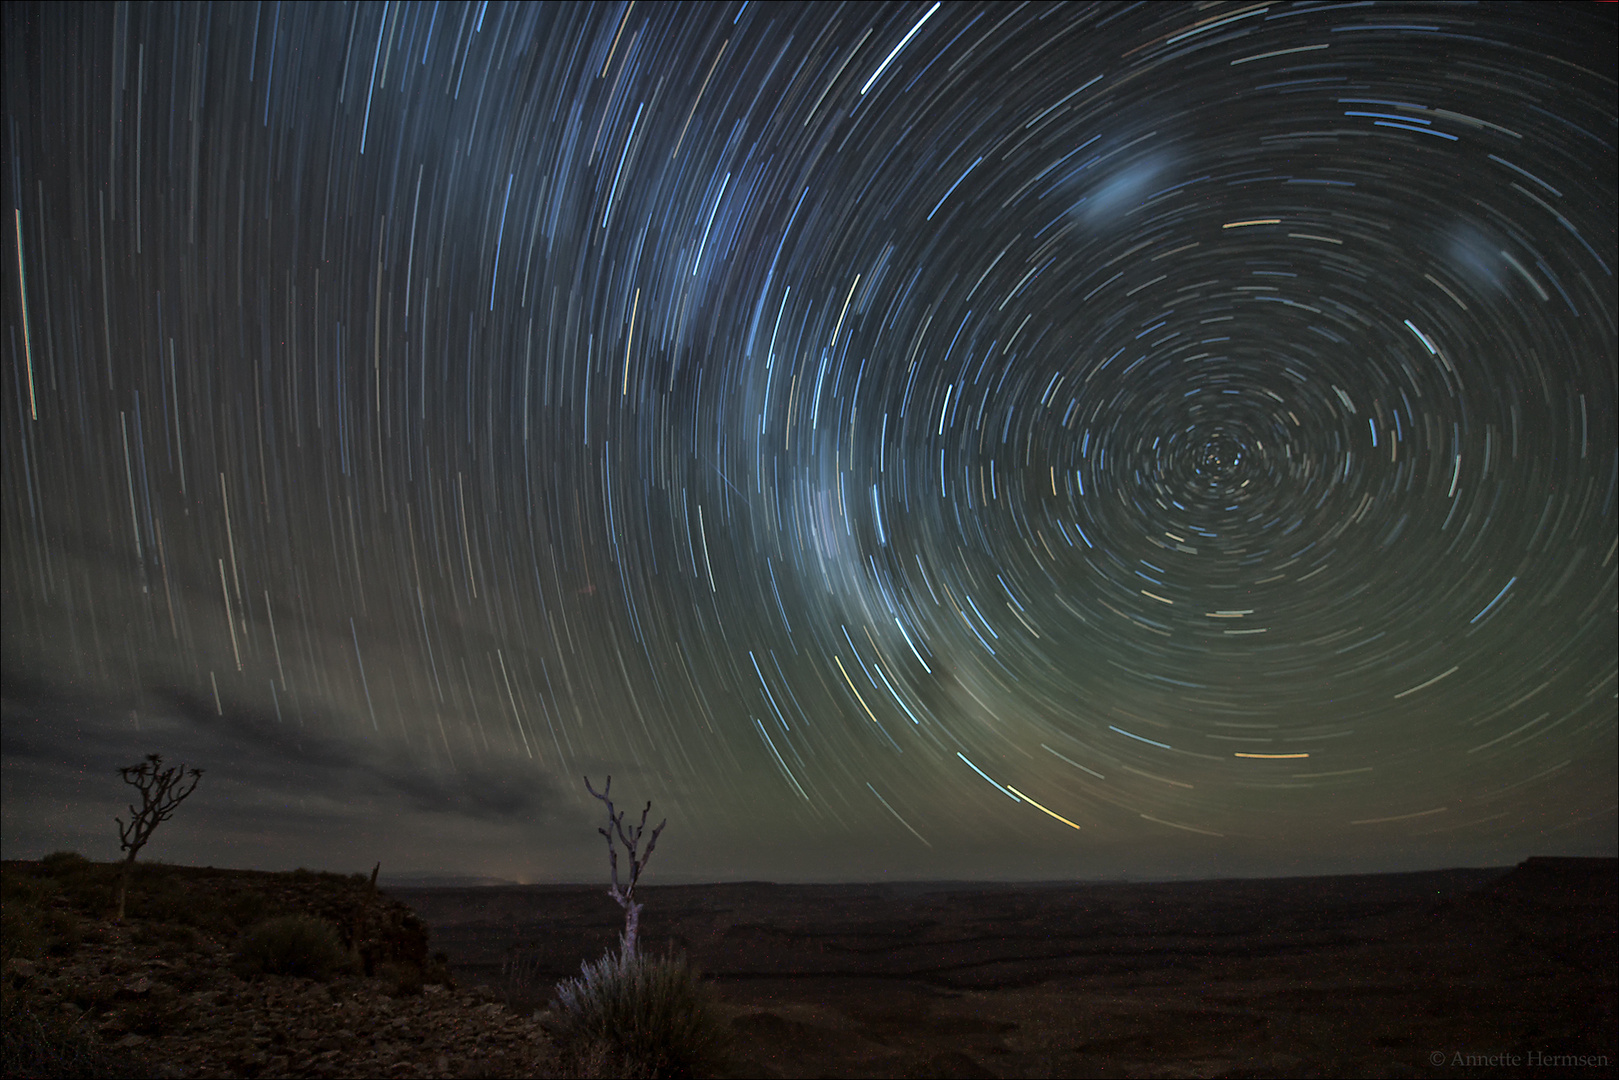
[[291, 945], [634, 1015], [58, 862], [40, 1044], [599, 1061]]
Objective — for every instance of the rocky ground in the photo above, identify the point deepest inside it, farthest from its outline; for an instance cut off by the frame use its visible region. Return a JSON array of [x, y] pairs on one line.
[[276, 1026], [156, 995]]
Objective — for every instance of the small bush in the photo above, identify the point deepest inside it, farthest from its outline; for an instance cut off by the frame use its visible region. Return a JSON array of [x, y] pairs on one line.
[[291, 945], [633, 1015], [600, 1061]]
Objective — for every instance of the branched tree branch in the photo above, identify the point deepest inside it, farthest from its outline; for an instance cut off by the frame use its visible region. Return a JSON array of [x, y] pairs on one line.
[[624, 895]]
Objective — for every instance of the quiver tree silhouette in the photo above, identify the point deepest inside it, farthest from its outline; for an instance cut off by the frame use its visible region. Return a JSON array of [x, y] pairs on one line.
[[631, 839], [162, 791]]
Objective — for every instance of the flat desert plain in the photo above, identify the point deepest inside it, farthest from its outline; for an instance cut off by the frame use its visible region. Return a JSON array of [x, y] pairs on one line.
[[1494, 972]]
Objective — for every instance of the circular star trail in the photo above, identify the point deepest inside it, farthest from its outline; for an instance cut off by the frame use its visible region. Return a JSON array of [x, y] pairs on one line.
[[954, 438]]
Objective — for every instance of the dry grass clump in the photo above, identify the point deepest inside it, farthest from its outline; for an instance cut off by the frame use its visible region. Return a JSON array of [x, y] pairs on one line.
[[630, 1015], [37, 1044], [300, 945]]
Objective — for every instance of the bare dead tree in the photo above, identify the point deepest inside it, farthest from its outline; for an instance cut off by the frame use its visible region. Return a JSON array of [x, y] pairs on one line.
[[162, 791], [631, 839]]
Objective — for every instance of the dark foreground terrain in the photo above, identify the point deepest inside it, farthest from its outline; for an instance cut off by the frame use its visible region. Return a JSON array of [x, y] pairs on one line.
[[1506, 972], [165, 992], [1459, 972]]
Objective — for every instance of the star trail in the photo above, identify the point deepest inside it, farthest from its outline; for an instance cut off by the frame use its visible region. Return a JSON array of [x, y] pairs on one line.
[[938, 440]]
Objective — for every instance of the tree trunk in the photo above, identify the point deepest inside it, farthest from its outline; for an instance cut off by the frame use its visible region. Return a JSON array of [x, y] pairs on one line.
[[123, 882], [632, 925]]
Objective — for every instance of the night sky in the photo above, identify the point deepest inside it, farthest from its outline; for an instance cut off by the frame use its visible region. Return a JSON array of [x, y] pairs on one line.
[[913, 440]]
